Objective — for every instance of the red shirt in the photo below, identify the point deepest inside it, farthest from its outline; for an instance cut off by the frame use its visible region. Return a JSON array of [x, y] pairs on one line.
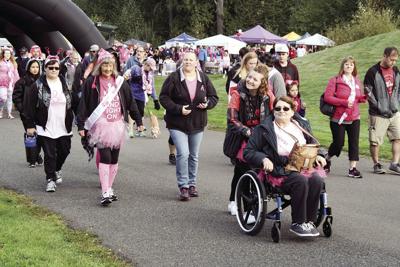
[[388, 75]]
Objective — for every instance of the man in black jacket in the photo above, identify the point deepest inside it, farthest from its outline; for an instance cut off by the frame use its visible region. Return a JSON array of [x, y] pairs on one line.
[[381, 83]]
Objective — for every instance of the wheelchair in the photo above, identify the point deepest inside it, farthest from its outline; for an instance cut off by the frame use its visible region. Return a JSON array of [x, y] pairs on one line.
[[252, 195]]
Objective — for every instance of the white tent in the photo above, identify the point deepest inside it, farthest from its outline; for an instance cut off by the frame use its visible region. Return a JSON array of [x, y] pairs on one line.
[[232, 45], [317, 40]]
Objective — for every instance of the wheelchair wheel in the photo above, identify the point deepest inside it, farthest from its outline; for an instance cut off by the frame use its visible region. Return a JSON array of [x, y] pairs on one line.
[[249, 197], [320, 216], [276, 232], [327, 229]]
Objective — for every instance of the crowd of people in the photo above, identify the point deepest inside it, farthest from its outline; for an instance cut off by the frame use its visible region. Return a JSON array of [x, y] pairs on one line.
[[109, 89]]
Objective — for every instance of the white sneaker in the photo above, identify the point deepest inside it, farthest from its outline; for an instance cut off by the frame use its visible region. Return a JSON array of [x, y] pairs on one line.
[[51, 186], [59, 177], [251, 218], [232, 208], [113, 197]]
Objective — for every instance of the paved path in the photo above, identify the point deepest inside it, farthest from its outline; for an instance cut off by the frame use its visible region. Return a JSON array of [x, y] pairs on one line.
[[150, 227]]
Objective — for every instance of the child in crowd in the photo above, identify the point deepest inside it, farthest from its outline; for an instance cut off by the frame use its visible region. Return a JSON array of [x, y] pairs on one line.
[[292, 90]]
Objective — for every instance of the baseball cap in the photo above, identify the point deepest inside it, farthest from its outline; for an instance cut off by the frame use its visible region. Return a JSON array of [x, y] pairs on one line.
[[94, 48], [281, 48]]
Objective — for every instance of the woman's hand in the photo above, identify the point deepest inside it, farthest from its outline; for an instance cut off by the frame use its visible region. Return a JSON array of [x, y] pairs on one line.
[[320, 161], [30, 131], [202, 105], [268, 165], [81, 133], [350, 104], [186, 110]]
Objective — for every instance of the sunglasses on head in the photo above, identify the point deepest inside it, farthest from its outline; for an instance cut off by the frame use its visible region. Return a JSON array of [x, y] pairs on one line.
[[53, 68], [280, 108]]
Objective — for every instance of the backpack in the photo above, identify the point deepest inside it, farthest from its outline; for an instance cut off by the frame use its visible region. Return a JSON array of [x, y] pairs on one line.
[[326, 108]]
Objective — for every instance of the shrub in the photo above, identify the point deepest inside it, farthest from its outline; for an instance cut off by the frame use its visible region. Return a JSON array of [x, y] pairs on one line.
[[366, 22]]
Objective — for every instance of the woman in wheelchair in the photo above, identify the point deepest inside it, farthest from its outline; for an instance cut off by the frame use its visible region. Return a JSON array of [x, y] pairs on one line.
[[269, 147]]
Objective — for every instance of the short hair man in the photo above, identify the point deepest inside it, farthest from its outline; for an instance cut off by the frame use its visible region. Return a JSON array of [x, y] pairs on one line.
[[381, 83], [284, 66]]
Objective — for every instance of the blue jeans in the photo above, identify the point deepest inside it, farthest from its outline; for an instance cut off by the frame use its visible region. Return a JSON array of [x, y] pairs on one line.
[[187, 156]]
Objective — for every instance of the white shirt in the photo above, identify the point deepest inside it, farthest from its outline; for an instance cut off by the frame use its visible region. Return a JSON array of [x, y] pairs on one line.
[[55, 126], [286, 142]]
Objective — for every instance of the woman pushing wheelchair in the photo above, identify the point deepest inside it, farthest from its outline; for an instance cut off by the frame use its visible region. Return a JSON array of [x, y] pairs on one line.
[[283, 146]]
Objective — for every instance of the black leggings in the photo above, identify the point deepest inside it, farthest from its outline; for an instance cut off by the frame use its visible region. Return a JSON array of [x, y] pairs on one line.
[[140, 105], [170, 141], [353, 136], [108, 155], [240, 169]]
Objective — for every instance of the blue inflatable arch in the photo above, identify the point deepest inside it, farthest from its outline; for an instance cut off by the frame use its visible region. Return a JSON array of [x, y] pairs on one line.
[[44, 22]]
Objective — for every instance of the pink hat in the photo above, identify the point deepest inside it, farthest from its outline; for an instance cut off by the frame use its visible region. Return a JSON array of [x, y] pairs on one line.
[[103, 55], [51, 58]]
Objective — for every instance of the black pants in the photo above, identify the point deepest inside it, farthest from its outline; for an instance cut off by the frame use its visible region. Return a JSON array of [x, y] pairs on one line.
[[240, 169], [108, 155], [140, 105], [202, 65], [353, 136], [170, 141], [304, 193], [55, 153]]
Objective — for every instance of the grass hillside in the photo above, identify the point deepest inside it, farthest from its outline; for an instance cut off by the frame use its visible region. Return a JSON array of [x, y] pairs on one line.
[[315, 71]]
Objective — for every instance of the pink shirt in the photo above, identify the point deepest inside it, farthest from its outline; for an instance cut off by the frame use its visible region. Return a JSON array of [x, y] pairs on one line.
[[113, 112], [191, 85]]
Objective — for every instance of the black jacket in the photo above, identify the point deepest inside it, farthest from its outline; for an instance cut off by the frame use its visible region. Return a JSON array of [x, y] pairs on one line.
[[90, 100], [231, 77], [263, 144], [35, 107], [19, 91], [175, 94], [380, 103]]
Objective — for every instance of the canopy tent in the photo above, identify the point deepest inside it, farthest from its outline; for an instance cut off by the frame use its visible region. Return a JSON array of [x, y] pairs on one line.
[[259, 35], [291, 36], [232, 45], [135, 42], [304, 36], [317, 40], [182, 38]]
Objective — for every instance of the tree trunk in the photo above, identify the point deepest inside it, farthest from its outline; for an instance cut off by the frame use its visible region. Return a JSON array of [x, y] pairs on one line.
[[220, 16], [170, 6]]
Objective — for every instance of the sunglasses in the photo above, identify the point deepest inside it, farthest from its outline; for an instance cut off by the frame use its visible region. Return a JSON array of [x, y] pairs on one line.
[[53, 68], [280, 108]]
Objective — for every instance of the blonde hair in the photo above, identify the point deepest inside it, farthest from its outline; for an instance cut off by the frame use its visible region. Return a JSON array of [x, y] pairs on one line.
[[242, 71], [97, 67]]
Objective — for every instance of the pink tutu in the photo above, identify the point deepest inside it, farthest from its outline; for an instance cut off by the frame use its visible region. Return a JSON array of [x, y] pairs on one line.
[[106, 134]]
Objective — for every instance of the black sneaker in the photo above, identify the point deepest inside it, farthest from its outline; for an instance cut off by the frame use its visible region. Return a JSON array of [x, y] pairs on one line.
[[395, 167], [31, 165], [105, 199], [300, 229], [354, 173], [378, 168], [172, 159], [193, 191]]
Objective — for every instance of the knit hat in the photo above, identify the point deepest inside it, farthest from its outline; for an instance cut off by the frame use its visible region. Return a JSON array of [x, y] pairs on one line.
[[51, 58], [103, 56]]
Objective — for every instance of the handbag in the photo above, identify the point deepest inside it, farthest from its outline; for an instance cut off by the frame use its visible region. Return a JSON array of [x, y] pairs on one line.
[[232, 142], [324, 107], [302, 157]]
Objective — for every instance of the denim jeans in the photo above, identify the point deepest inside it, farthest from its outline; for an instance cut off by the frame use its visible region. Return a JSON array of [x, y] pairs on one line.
[[187, 156]]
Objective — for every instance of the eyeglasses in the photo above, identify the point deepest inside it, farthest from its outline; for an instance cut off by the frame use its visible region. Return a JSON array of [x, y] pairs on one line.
[[93, 51], [280, 108], [53, 68]]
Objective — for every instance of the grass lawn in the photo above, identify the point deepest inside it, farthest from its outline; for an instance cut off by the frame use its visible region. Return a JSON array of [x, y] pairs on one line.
[[32, 236], [315, 71]]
